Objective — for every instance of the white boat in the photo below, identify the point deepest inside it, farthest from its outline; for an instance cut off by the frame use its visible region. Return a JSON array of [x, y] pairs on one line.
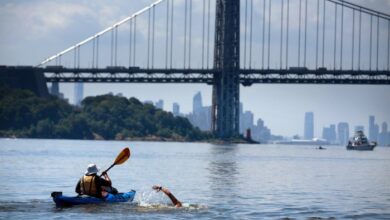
[[360, 142]]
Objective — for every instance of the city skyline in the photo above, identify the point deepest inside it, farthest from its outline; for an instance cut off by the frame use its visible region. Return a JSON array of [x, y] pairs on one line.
[[336, 132]]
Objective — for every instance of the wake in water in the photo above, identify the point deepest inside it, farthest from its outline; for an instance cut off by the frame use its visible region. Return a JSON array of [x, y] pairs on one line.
[[148, 200]]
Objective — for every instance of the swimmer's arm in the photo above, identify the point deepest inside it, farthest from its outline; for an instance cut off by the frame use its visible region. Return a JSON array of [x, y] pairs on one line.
[[175, 202]]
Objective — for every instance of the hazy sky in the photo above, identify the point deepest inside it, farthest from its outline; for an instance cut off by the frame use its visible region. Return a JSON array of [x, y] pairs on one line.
[[32, 30]]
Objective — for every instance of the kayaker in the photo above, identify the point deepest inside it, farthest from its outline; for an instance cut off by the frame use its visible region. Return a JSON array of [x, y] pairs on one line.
[[93, 185], [175, 202]]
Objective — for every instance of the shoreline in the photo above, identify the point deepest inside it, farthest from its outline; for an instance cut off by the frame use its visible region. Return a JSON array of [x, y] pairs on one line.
[[149, 139]]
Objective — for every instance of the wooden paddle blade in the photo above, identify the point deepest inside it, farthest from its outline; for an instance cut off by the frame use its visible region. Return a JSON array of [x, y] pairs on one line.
[[123, 156]]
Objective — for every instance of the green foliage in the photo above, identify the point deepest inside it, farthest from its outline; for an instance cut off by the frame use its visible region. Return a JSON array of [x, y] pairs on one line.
[[23, 114]]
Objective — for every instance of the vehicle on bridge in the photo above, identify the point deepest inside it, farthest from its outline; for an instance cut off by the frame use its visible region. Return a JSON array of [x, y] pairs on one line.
[[54, 67], [299, 69]]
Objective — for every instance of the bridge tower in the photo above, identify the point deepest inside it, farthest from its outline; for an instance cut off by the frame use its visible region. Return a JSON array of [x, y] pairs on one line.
[[226, 87]]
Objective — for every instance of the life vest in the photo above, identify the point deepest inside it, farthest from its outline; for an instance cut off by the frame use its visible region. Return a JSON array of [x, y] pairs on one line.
[[88, 186]]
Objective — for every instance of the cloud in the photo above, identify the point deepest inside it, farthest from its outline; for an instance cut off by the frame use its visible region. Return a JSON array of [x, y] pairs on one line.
[[39, 20]]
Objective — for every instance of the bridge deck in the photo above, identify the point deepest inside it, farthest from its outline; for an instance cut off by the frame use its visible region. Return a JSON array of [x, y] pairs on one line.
[[247, 76]]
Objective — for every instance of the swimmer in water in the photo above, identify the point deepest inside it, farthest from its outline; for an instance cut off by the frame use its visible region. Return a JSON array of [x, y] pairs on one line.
[[175, 202]]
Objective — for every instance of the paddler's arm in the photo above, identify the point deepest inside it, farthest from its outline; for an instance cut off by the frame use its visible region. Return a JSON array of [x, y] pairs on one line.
[[77, 189], [175, 201], [107, 179]]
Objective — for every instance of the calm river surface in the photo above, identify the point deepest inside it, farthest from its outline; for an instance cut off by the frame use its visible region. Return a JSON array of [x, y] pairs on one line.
[[214, 181]]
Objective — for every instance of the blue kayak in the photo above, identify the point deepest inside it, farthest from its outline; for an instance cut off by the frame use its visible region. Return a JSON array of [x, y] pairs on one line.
[[61, 200]]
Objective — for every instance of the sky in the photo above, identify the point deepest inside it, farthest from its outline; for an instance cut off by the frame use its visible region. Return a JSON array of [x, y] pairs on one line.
[[32, 30]]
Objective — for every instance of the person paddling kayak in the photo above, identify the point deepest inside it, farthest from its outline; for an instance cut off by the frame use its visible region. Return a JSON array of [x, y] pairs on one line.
[[93, 185], [166, 191]]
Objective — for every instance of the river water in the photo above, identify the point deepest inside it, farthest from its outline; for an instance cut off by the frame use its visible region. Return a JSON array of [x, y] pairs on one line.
[[213, 181]]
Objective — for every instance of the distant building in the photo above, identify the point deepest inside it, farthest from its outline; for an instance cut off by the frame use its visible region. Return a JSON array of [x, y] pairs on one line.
[[260, 132], [159, 104], [175, 109], [329, 134], [247, 120], [384, 136], [343, 133], [241, 115], [78, 93], [373, 129], [55, 90], [197, 103], [309, 126], [201, 115]]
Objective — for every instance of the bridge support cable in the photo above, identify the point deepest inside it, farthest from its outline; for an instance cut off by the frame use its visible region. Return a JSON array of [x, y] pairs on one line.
[[130, 40], [93, 54], [208, 34], [97, 52], [287, 30], [377, 44], [263, 38], [148, 44], [269, 34], [153, 31], [360, 38], [335, 38], [112, 48], [78, 56], [190, 36], [388, 46], [245, 32], [318, 24], [342, 36], [116, 46], [167, 35], [323, 33], [299, 33], [171, 55], [203, 31], [109, 29], [135, 41], [281, 34], [250, 35], [305, 48], [370, 58], [185, 34], [353, 40]]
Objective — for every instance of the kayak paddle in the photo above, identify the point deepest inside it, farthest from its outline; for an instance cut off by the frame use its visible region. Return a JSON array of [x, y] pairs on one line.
[[121, 158]]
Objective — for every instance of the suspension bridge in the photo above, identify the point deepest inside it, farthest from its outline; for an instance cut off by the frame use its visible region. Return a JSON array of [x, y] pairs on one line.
[[228, 43]]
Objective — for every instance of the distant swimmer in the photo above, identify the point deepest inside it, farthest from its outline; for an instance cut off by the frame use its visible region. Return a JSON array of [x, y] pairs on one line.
[[175, 202], [321, 148]]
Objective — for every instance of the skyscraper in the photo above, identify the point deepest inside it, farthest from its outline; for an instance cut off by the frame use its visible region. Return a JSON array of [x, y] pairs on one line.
[[197, 103], [384, 136], [78, 93], [55, 89], [343, 133], [175, 109], [329, 134], [247, 120], [309, 126], [159, 104], [373, 129], [201, 115]]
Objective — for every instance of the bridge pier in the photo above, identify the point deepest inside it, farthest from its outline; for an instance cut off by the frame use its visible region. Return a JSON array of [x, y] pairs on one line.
[[226, 87]]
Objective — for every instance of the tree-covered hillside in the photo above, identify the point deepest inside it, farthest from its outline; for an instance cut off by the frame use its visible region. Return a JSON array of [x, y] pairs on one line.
[[23, 114]]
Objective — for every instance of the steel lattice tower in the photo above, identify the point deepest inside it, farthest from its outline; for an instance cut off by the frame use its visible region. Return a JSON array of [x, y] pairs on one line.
[[226, 88]]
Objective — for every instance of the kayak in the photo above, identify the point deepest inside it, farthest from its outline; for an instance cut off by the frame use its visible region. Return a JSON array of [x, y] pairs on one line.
[[61, 200]]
